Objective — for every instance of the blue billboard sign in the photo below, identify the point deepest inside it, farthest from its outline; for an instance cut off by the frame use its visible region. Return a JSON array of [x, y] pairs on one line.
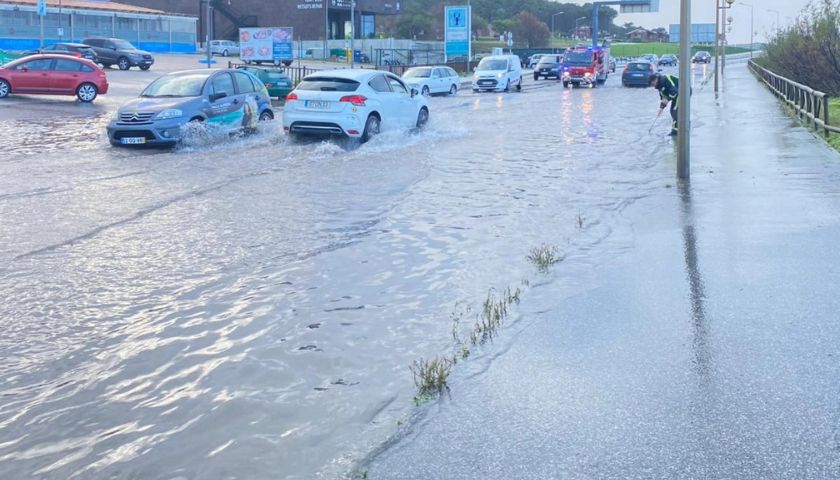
[[700, 33], [457, 30]]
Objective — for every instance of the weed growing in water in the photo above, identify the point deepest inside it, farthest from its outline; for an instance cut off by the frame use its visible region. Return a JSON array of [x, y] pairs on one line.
[[544, 257], [430, 377]]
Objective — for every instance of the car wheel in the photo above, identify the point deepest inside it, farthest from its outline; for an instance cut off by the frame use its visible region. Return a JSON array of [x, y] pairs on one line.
[[277, 63], [426, 92], [372, 127], [87, 92], [247, 62], [123, 63], [519, 85], [507, 86], [145, 67], [536, 77], [475, 90], [453, 90], [224, 53], [422, 117], [266, 116], [5, 89]]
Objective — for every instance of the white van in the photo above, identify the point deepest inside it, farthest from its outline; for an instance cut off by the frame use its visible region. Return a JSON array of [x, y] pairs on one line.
[[498, 73]]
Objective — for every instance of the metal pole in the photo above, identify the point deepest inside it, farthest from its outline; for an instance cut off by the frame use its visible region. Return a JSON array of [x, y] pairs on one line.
[[684, 99], [595, 28], [209, 34], [42, 30], [752, 25], [352, 32], [60, 30], [717, 46], [777, 17], [326, 28]]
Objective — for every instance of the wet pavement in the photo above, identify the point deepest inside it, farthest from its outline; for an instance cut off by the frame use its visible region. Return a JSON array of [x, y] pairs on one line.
[[248, 308], [701, 341]]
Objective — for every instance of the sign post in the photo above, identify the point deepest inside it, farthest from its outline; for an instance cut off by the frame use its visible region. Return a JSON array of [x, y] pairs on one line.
[[684, 97], [42, 12], [458, 37]]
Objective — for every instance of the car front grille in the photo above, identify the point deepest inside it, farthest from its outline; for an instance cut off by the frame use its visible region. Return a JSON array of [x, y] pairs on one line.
[[487, 83], [134, 118]]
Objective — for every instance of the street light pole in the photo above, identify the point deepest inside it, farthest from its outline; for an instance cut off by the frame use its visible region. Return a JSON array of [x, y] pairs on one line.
[[752, 26], [684, 97], [352, 32], [577, 32], [553, 31], [777, 17], [326, 28], [718, 7]]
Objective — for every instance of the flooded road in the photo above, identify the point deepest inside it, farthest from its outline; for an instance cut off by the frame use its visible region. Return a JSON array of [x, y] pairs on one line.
[[248, 309]]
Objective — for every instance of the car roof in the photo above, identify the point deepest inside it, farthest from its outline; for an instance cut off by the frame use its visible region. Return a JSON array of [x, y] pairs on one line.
[[349, 74]]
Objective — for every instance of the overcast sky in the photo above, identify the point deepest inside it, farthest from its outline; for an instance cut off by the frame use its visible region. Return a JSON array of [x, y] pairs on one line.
[[703, 11]]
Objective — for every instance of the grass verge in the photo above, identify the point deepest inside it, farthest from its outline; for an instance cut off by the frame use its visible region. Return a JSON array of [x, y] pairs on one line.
[[430, 377], [544, 256], [834, 119]]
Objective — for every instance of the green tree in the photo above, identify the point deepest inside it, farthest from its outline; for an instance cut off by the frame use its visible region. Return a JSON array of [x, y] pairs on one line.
[[531, 30]]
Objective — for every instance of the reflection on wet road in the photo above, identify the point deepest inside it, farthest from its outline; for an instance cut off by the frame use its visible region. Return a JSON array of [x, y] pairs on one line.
[[248, 309]]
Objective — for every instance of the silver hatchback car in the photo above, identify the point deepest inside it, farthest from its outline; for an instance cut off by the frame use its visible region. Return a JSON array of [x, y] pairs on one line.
[[229, 99]]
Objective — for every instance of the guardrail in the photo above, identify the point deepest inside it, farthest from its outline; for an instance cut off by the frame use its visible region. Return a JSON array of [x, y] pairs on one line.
[[810, 105]]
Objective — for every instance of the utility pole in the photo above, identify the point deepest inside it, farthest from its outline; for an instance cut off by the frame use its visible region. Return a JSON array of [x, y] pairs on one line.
[[326, 28], [684, 98], [352, 32], [553, 30], [717, 47], [777, 17], [209, 34], [752, 26]]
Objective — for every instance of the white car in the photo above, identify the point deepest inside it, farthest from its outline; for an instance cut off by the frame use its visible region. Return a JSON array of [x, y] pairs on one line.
[[429, 80], [534, 59], [498, 73], [354, 103], [224, 48]]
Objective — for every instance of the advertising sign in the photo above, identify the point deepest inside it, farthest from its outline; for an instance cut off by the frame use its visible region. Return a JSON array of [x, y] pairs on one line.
[[458, 31], [266, 44]]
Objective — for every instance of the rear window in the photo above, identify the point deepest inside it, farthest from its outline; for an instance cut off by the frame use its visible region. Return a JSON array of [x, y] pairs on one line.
[[548, 60], [639, 67], [328, 84]]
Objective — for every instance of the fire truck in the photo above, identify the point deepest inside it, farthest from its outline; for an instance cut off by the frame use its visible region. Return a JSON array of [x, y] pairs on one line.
[[586, 66]]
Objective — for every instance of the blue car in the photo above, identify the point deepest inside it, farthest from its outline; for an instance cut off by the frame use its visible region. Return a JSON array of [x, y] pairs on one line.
[[234, 100]]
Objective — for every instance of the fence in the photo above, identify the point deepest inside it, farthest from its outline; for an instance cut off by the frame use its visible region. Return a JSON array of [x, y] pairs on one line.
[[810, 105]]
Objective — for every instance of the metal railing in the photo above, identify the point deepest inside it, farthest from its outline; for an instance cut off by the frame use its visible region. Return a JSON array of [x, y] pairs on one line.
[[810, 106]]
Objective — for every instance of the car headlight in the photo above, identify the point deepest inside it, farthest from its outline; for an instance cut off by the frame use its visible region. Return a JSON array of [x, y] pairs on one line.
[[500, 75], [169, 113], [587, 74]]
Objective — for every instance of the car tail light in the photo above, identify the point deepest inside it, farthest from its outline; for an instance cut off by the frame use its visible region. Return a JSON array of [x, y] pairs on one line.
[[291, 97], [268, 85], [357, 100]]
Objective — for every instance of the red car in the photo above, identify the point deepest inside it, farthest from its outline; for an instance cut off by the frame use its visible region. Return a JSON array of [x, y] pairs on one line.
[[53, 75]]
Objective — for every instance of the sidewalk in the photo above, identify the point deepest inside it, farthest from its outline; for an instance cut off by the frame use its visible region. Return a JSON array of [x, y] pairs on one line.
[[705, 344]]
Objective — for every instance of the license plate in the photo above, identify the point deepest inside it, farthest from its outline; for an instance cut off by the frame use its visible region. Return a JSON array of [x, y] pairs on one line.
[[133, 140], [638, 74], [317, 104]]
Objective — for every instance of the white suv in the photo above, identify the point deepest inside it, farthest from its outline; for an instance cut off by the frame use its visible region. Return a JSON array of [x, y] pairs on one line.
[[498, 73], [224, 47]]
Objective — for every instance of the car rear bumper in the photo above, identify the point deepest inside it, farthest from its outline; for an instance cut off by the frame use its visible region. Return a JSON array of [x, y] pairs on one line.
[[324, 124], [635, 81]]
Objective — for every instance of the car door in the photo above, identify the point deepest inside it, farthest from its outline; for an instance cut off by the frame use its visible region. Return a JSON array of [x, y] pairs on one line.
[[33, 76], [65, 76], [403, 106], [224, 106], [249, 99]]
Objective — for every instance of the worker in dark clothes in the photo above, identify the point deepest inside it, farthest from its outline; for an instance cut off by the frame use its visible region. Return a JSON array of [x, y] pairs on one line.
[[669, 89]]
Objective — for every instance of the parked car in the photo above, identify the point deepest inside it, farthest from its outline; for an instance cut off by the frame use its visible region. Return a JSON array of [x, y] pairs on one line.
[[231, 99], [550, 65], [224, 48], [53, 75], [650, 57], [353, 103], [669, 59], [637, 74], [702, 57], [612, 65], [115, 51], [430, 80], [275, 80], [498, 73], [75, 49], [533, 60]]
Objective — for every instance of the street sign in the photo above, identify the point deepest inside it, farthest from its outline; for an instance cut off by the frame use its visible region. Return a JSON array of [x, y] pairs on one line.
[[42, 8], [639, 6], [457, 32]]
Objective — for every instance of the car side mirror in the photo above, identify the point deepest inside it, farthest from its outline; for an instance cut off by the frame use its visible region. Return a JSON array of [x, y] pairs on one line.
[[217, 96], [414, 92]]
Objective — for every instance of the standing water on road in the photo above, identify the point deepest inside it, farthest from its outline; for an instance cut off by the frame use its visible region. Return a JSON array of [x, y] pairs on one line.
[[249, 309]]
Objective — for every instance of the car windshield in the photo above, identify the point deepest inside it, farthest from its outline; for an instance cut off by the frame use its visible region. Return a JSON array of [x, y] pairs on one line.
[[579, 58], [492, 64], [184, 85], [548, 61], [639, 67], [123, 45], [328, 84], [418, 73]]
